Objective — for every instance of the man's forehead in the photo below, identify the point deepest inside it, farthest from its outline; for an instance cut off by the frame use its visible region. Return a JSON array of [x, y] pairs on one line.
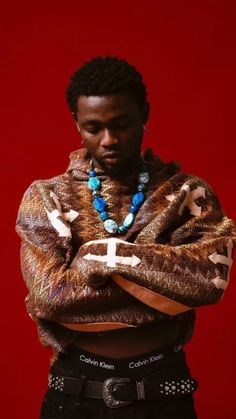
[[99, 105]]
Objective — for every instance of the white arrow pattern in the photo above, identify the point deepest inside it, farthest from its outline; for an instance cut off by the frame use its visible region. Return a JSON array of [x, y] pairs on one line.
[[225, 260], [220, 283], [111, 259], [190, 197], [62, 229]]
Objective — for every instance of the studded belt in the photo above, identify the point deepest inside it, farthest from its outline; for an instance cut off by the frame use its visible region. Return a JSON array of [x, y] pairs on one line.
[[120, 391]]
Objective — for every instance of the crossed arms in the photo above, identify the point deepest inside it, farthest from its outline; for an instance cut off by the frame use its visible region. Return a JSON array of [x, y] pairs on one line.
[[182, 257]]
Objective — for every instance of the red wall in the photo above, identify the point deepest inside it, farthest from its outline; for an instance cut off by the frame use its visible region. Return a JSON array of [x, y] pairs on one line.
[[186, 51]]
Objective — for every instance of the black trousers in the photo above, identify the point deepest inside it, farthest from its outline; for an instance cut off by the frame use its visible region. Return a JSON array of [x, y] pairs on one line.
[[74, 363]]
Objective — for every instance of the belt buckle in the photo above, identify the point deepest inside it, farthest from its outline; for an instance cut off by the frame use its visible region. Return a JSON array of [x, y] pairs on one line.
[[108, 388]]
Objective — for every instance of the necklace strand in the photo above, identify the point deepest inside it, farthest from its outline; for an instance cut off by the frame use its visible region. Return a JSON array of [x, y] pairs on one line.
[[101, 205]]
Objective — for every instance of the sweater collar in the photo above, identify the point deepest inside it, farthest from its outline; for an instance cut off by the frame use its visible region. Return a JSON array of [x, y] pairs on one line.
[[80, 164]]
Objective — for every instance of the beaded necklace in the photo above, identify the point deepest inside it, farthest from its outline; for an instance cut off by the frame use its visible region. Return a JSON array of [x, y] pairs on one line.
[[100, 203]]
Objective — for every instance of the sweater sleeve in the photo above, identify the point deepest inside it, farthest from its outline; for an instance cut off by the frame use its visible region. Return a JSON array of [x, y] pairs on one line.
[[57, 291], [182, 257]]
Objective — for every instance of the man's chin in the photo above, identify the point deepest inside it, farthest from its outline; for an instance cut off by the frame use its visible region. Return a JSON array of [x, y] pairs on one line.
[[120, 171], [117, 167], [114, 170]]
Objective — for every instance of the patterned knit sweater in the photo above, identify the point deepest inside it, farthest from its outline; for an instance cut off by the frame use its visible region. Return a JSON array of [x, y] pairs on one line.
[[176, 256]]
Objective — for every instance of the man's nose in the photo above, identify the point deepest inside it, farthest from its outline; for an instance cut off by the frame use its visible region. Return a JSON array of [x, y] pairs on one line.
[[108, 138]]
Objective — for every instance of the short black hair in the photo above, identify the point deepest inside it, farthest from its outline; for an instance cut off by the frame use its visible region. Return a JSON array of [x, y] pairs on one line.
[[104, 76]]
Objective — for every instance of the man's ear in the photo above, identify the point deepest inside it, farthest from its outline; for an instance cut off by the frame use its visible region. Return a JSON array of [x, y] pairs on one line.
[[146, 110], [76, 121]]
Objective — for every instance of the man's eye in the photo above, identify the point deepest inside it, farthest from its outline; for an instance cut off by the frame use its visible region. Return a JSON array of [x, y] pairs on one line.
[[122, 125], [92, 130]]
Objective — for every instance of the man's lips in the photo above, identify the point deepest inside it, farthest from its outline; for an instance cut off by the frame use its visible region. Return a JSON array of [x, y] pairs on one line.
[[111, 157]]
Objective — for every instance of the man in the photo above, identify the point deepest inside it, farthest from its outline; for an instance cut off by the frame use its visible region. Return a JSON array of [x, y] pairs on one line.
[[116, 253]]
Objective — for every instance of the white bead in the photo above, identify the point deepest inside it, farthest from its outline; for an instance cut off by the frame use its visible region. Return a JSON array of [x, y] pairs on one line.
[[129, 219], [143, 177], [110, 226]]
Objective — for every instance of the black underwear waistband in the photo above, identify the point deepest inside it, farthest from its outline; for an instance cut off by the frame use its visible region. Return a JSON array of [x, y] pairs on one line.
[[78, 361]]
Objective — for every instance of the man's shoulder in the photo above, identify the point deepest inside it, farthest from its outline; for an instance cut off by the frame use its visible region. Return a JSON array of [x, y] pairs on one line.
[[172, 169], [76, 157], [44, 186], [189, 179], [170, 182]]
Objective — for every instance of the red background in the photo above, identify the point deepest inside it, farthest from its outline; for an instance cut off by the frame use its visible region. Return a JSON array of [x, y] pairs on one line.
[[186, 52]]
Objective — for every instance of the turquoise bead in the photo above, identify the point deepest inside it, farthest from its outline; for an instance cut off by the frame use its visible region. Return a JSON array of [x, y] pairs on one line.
[[99, 204], [138, 199], [94, 183], [122, 229], [129, 219], [141, 187]]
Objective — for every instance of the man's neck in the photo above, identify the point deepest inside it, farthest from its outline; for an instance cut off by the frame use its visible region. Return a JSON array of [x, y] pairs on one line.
[[121, 172]]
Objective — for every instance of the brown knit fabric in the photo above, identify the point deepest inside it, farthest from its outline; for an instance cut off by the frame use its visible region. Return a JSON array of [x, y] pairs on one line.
[[181, 237]]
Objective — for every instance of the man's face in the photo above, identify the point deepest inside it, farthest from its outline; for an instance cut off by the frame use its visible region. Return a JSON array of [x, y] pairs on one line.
[[111, 128]]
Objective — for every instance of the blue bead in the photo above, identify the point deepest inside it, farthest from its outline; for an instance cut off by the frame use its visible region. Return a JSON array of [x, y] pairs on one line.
[[141, 187], [94, 183], [92, 173], [99, 204], [129, 219], [133, 209], [122, 229], [103, 215], [138, 198]]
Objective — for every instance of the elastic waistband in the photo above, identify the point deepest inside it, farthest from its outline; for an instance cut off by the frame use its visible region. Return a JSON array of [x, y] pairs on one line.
[[78, 360]]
